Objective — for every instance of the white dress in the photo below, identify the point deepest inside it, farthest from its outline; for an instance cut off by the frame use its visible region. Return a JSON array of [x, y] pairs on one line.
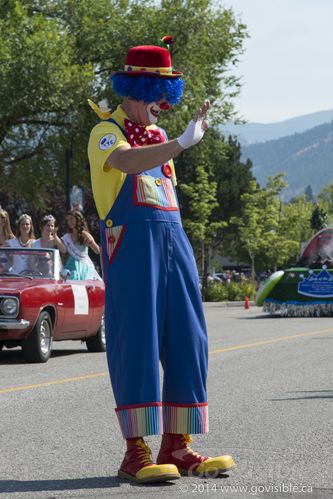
[[37, 244], [20, 262]]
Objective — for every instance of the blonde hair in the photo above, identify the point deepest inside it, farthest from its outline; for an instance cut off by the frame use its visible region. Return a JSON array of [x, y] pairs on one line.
[[7, 230], [18, 226]]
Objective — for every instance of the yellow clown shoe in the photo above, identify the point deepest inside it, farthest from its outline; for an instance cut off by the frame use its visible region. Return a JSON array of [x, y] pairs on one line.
[[175, 449], [138, 465]]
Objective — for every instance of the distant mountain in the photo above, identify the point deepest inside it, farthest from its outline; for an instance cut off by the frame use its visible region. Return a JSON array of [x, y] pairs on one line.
[[306, 158], [251, 133]]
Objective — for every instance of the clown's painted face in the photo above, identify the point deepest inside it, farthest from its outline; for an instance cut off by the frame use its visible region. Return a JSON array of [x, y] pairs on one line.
[[147, 114], [154, 109]]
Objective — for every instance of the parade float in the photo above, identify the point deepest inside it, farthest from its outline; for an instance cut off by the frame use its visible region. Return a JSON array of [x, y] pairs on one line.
[[305, 289]]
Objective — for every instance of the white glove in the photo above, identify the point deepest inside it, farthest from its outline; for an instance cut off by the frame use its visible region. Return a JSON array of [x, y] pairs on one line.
[[193, 134]]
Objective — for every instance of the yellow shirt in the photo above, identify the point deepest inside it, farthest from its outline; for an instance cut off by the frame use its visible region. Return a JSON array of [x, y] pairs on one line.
[[107, 181]]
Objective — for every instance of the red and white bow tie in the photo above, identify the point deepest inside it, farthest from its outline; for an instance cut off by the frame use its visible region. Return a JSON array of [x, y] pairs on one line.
[[137, 135]]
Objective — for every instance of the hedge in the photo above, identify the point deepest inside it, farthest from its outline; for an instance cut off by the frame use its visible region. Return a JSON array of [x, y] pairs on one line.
[[233, 291]]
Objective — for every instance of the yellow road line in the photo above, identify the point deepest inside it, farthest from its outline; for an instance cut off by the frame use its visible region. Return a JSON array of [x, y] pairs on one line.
[[272, 340], [56, 382], [212, 352]]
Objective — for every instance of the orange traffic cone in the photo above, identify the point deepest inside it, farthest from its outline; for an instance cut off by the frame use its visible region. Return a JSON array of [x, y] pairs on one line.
[[247, 303]]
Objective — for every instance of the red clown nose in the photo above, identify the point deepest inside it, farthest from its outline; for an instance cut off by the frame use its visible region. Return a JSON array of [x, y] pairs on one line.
[[164, 106]]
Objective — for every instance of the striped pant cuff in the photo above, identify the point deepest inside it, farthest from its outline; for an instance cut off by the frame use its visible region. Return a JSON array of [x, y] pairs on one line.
[[140, 420], [185, 418]]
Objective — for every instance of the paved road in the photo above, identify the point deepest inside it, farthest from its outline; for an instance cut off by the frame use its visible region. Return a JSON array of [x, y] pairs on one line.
[[271, 406]]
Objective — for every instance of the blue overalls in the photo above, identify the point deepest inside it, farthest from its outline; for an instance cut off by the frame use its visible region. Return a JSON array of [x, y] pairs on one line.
[[153, 311]]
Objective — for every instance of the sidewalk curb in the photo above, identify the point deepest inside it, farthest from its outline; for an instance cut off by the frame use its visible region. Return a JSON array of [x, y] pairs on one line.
[[227, 303]]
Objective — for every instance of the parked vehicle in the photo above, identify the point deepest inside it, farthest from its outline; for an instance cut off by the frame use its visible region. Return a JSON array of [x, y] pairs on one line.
[[39, 304]]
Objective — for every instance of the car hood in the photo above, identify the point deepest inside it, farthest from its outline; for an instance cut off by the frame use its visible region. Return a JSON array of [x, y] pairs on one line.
[[17, 285]]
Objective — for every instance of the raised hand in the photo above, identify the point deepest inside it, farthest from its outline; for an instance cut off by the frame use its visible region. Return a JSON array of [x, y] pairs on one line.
[[196, 128]]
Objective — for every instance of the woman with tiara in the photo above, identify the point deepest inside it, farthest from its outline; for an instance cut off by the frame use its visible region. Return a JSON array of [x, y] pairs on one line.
[[49, 235], [25, 236], [78, 240]]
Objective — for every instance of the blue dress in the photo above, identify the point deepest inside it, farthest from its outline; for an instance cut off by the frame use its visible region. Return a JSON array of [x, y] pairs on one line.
[[78, 262]]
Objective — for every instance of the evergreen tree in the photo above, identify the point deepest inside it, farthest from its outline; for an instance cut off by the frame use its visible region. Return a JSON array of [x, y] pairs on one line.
[[211, 179], [309, 194], [318, 218]]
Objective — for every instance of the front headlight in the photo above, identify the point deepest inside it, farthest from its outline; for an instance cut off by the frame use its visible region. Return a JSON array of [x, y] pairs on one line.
[[9, 306]]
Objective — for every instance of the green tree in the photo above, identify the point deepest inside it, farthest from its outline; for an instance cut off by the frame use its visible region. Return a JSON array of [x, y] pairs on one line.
[[259, 222], [295, 226], [271, 231], [229, 179], [318, 218], [202, 230], [309, 194], [54, 55], [325, 201]]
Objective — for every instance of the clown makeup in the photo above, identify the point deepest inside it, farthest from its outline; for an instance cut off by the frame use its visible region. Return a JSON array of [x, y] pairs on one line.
[[142, 113], [154, 109]]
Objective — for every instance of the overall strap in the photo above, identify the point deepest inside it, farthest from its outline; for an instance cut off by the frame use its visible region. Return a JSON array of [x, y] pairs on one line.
[[120, 128]]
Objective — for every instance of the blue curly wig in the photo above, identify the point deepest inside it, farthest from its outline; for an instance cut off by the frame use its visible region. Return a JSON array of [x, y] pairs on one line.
[[148, 89]]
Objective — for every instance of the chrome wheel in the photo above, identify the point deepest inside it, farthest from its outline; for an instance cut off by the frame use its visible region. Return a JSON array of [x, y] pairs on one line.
[[37, 347], [45, 336], [102, 332]]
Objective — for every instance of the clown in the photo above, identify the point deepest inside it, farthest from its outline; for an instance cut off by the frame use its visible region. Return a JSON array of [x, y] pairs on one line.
[[153, 307]]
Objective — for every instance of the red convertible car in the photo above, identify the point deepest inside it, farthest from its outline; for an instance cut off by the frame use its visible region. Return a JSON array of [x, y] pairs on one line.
[[39, 304]]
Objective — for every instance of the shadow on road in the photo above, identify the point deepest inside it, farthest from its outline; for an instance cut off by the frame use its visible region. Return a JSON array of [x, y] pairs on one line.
[[12, 486], [308, 395], [14, 356], [49, 485]]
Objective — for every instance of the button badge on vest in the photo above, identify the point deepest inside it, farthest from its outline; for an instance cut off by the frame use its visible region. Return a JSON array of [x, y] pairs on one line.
[[166, 170]]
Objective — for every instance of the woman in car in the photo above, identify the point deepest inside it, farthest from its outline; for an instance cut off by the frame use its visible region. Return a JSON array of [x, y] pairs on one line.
[[25, 236], [49, 237], [5, 228], [77, 241]]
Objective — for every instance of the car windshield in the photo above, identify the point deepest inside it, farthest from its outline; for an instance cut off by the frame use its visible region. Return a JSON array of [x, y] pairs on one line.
[[33, 263]]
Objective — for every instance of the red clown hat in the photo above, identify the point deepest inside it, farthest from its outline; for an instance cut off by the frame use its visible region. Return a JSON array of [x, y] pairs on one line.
[[149, 60]]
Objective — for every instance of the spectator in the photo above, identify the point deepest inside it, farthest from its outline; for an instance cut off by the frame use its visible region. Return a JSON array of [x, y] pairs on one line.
[[25, 236], [77, 242], [5, 228], [49, 237]]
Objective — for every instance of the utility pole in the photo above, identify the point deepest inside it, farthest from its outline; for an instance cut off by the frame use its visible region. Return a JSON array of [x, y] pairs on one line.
[[68, 158]]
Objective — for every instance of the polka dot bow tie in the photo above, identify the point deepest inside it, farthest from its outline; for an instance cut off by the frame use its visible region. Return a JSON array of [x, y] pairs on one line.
[[137, 135]]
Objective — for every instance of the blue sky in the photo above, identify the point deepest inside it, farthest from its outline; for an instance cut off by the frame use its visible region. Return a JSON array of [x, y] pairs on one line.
[[287, 67]]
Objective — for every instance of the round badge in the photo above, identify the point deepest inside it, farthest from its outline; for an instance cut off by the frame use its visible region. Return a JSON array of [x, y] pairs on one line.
[[166, 170], [107, 141], [158, 181], [109, 223]]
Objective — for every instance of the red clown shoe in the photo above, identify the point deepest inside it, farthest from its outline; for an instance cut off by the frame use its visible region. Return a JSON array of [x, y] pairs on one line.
[[138, 465], [175, 449]]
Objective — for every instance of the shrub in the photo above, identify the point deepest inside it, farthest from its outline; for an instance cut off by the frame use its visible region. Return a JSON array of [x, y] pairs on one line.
[[217, 291], [233, 291]]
